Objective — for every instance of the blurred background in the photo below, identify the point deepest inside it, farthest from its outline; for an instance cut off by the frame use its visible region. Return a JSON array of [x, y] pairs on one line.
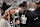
[[15, 3]]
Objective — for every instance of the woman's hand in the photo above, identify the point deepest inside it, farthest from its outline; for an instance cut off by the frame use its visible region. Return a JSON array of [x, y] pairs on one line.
[[3, 15], [17, 22], [8, 17]]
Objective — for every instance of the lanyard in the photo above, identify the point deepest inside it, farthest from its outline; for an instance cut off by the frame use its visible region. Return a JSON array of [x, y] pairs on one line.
[[25, 13]]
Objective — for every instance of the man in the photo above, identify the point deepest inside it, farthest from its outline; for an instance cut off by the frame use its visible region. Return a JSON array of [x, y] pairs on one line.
[[37, 11], [26, 17]]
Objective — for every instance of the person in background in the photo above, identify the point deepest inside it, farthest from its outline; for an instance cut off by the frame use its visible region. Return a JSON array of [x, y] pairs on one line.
[[37, 11], [32, 7], [37, 4]]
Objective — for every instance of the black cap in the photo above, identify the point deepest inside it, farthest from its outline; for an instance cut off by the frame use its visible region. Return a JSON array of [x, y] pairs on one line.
[[5, 6], [21, 5], [38, 3], [24, 2]]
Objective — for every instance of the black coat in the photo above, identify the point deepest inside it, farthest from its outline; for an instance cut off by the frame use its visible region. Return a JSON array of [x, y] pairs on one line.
[[30, 18], [38, 12]]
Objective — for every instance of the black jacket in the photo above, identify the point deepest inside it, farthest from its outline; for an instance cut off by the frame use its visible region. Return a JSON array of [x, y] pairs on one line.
[[38, 12], [30, 18]]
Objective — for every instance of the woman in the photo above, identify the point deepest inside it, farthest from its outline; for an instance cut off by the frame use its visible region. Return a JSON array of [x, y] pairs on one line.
[[4, 22]]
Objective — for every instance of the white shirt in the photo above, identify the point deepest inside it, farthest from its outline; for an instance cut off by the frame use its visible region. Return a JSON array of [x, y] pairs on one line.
[[4, 23]]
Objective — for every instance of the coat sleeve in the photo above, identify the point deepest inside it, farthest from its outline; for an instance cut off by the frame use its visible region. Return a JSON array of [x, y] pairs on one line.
[[31, 16], [8, 24], [3, 23]]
